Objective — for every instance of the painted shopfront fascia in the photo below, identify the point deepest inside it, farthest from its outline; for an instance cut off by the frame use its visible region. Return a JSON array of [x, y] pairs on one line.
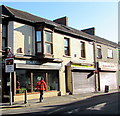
[[107, 66], [83, 66]]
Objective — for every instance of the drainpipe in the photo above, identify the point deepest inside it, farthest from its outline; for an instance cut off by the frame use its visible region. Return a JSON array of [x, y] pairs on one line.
[[97, 79]]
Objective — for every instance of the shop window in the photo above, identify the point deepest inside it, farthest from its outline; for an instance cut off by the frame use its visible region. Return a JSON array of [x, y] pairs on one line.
[[99, 52], [50, 77], [48, 42], [66, 47], [52, 80], [110, 53], [23, 81], [37, 76]]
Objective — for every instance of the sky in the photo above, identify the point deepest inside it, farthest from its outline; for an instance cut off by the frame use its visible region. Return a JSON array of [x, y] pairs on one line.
[[81, 15]]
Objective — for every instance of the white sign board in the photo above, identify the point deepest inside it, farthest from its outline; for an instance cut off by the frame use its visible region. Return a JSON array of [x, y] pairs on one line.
[[108, 66], [9, 65]]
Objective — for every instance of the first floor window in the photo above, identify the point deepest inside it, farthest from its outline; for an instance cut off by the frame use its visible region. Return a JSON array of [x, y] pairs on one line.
[[3, 43], [110, 53], [48, 42], [48, 48], [4, 36], [39, 41], [99, 52], [82, 45], [39, 47], [66, 47]]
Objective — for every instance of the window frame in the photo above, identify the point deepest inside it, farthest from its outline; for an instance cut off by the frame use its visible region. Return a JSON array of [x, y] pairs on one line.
[[111, 54], [39, 42], [68, 46], [48, 42], [82, 49], [4, 39], [47, 78], [99, 50]]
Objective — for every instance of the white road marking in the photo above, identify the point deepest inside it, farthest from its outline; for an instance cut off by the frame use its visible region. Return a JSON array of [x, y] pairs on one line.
[[97, 107], [72, 111], [56, 110]]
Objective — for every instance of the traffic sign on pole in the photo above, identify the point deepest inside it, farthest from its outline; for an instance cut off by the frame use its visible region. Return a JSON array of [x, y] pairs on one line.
[[9, 68], [9, 65]]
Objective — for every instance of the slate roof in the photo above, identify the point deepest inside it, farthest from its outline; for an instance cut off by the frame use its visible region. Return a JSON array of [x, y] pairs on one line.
[[35, 19]]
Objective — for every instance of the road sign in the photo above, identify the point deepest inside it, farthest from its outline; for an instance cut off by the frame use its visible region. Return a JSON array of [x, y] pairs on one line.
[[9, 65], [9, 68], [10, 55]]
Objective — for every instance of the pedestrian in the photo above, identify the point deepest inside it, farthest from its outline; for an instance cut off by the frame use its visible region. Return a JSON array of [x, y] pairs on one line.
[[41, 86], [17, 84]]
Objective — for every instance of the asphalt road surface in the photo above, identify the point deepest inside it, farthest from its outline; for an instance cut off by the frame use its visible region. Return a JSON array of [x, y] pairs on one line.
[[102, 104]]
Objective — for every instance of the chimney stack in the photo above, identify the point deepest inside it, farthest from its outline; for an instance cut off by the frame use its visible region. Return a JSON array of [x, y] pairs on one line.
[[63, 20], [90, 31]]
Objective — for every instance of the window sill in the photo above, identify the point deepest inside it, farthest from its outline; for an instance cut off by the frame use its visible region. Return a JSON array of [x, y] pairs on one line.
[[66, 56], [99, 57], [48, 55], [109, 58], [82, 58], [19, 54], [41, 55]]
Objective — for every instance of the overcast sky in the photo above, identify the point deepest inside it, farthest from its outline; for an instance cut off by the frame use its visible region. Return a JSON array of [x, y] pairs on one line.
[[81, 15]]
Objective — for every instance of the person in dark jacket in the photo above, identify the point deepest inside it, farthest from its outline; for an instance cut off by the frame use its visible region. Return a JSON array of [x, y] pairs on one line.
[[41, 86]]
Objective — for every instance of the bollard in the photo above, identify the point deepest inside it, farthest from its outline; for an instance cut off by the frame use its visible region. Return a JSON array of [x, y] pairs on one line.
[[59, 94], [106, 88], [25, 92]]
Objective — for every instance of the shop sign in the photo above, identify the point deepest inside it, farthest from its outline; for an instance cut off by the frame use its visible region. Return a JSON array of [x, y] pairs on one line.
[[83, 65], [108, 66]]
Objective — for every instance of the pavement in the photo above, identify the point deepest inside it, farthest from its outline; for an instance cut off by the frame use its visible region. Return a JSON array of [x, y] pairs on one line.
[[53, 100]]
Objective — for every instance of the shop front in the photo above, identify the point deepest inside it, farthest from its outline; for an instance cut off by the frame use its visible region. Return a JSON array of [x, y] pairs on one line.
[[83, 78], [27, 74], [108, 75], [27, 79]]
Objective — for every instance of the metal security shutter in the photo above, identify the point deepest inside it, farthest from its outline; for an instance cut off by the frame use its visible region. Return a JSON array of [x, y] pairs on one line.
[[109, 79], [82, 84]]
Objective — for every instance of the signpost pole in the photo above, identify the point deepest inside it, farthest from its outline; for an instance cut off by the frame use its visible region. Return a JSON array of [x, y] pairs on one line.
[[9, 68], [10, 89]]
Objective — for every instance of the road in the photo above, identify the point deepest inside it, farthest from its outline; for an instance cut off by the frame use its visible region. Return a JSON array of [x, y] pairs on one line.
[[102, 104]]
